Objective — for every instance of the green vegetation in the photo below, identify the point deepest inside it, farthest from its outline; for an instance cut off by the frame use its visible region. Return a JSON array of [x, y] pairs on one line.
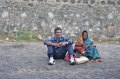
[[27, 36], [32, 36]]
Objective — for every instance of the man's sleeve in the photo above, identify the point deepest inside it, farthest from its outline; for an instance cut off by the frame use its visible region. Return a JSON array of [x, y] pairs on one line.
[[49, 40], [69, 40]]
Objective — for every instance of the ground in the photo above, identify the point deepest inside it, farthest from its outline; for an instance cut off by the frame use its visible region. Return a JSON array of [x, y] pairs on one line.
[[20, 60]]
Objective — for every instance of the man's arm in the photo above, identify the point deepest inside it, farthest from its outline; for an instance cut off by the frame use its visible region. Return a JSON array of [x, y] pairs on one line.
[[70, 41], [49, 42], [66, 41], [54, 44]]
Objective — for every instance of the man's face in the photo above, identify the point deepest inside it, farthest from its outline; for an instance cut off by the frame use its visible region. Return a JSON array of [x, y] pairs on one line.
[[58, 33], [85, 35]]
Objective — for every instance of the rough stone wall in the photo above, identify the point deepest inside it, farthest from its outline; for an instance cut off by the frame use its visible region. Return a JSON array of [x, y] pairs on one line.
[[101, 18]]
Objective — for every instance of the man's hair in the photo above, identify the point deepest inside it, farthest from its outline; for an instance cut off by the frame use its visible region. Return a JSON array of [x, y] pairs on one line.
[[57, 28]]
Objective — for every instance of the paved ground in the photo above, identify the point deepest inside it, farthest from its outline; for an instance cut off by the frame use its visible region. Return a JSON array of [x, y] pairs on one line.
[[29, 61]]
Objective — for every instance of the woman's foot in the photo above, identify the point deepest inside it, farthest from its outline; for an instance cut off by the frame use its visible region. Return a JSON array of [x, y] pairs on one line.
[[93, 61], [99, 60]]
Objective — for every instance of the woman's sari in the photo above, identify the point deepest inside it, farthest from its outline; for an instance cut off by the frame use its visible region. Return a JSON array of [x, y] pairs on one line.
[[90, 52]]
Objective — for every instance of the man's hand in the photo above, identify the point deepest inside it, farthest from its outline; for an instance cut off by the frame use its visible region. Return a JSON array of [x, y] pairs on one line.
[[57, 45], [63, 43]]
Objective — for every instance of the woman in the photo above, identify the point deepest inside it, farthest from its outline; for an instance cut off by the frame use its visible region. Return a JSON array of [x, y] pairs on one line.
[[86, 47]]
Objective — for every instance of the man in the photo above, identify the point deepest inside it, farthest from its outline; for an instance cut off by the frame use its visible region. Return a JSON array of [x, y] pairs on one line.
[[58, 45]]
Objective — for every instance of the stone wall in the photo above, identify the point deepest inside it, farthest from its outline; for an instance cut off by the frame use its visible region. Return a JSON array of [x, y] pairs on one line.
[[100, 18]]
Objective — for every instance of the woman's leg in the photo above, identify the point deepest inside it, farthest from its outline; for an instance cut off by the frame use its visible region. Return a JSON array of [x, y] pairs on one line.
[[95, 52], [95, 55], [92, 54]]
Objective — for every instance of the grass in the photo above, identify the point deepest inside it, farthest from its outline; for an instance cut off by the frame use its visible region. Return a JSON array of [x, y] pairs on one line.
[[26, 36], [30, 36]]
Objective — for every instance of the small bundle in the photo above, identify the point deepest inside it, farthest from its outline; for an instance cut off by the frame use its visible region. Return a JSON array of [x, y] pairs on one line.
[[81, 60]]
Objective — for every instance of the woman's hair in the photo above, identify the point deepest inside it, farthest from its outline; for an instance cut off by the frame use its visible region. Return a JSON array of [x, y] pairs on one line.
[[84, 32], [57, 28]]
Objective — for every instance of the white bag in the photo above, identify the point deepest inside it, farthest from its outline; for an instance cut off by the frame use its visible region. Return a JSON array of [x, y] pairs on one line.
[[81, 60]]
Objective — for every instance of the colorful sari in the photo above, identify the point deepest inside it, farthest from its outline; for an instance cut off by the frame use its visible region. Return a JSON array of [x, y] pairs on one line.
[[90, 52]]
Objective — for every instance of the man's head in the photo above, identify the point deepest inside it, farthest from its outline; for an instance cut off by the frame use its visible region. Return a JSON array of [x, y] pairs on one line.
[[58, 32], [85, 35]]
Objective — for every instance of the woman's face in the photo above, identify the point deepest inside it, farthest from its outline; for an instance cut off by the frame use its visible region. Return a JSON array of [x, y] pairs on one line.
[[85, 35]]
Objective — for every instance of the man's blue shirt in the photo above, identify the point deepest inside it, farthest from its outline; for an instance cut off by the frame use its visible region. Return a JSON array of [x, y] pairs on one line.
[[58, 51]]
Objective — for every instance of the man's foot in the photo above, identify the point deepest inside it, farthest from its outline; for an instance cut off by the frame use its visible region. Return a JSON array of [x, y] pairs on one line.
[[72, 61], [51, 61]]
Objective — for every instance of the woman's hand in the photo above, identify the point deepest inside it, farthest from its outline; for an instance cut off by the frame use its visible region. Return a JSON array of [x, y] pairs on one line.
[[94, 44], [87, 46], [82, 52]]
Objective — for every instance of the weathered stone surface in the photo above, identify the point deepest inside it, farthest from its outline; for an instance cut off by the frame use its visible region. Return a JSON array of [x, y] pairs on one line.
[[111, 30], [73, 16]]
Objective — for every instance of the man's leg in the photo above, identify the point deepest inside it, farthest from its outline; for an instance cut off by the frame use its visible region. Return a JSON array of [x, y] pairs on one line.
[[50, 55], [70, 49], [71, 53], [50, 51]]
